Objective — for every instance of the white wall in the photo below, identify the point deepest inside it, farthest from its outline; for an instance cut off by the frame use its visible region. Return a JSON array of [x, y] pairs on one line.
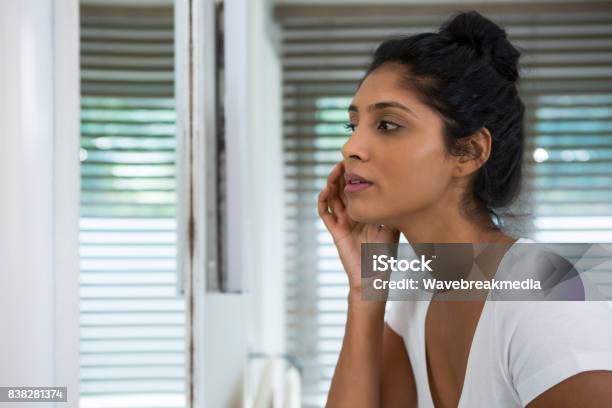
[[266, 172], [26, 211], [31, 234], [267, 203], [66, 189], [255, 209]]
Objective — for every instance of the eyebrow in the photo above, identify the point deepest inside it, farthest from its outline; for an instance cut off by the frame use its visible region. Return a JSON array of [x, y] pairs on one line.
[[384, 105]]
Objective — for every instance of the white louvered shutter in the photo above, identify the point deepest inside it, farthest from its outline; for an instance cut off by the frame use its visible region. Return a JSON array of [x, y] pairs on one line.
[[132, 321], [567, 90]]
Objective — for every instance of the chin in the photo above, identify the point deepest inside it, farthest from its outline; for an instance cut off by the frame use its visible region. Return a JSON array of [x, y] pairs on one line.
[[363, 215]]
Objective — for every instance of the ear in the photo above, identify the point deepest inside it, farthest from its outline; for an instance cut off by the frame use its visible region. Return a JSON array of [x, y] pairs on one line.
[[474, 151]]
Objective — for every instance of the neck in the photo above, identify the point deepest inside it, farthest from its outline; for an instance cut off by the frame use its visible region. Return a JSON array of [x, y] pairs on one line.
[[438, 224]]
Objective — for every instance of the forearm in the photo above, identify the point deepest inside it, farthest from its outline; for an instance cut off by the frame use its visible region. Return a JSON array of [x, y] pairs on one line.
[[356, 380]]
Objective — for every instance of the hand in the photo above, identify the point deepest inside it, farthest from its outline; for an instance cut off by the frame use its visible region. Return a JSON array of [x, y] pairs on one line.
[[348, 234]]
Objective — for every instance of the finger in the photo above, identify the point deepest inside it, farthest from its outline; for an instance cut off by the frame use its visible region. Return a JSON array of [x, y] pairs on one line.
[[329, 181], [335, 199], [340, 184], [323, 200], [323, 208], [344, 198], [337, 206], [332, 194], [339, 174], [333, 175]]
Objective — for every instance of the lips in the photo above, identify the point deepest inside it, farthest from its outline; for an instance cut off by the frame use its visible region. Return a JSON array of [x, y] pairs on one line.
[[355, 183]]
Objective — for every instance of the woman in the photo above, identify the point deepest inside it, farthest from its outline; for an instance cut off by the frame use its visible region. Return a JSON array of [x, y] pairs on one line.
[[436, 146]]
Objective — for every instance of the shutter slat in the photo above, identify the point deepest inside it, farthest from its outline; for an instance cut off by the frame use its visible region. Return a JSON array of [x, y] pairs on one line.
[[133, 343]]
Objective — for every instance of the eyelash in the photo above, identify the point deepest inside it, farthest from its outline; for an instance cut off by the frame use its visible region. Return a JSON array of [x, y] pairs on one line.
[[351, 126]]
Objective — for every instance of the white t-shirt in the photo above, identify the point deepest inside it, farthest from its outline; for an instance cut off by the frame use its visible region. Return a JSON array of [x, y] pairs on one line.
[[519, 350]]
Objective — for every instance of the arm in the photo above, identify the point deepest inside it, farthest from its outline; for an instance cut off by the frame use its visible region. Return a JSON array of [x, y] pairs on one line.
[[588, 389], [397, 386], [373, 368], [356, 380]]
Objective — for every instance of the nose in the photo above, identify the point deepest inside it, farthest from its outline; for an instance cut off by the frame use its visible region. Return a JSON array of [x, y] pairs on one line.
[[355, 147]]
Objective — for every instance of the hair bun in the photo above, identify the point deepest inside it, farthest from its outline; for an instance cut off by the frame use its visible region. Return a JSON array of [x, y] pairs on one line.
[[485, 37]]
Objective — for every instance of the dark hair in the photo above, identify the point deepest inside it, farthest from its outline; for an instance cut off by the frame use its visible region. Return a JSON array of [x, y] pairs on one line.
[[468, 72]]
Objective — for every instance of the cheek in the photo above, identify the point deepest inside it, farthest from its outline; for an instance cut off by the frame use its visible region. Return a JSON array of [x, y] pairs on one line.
[[411, 175], [418, 173]]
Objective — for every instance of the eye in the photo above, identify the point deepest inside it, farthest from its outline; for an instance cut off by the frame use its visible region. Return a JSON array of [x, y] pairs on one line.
[[350, 126], [387, 126]]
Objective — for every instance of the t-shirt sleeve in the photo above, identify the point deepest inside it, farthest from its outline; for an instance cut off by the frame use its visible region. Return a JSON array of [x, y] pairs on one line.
[[403, 314], [393, 317], [553, 341]]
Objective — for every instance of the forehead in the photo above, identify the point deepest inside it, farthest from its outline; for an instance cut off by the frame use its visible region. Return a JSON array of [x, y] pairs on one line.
[[385, 84]]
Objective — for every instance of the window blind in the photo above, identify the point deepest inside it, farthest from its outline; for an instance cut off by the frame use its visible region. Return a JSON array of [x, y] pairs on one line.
[[567, 90], [132, 321]]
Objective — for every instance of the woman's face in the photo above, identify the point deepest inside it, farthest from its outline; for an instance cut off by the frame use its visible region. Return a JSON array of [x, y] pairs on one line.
[[397, 144]]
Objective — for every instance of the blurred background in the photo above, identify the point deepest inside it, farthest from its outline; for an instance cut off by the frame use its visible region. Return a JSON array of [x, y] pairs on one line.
[[172, 172]]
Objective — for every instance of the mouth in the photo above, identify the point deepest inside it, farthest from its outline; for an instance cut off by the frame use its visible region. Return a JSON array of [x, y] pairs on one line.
[[355, 183]]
